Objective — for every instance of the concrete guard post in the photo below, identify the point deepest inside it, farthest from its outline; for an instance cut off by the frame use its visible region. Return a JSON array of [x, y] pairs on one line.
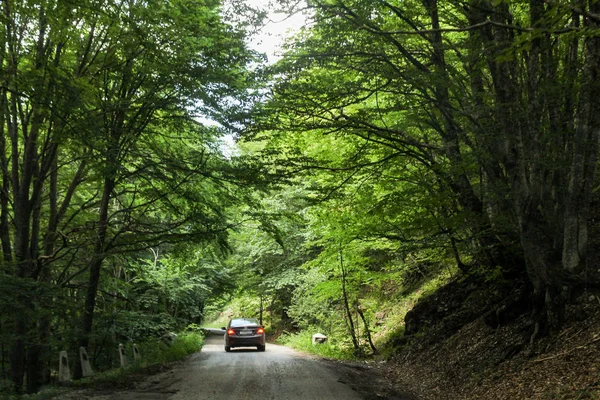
[[122, 355], [169, 338], [136, 353], [318, 338], [86, 367], [64, 373]]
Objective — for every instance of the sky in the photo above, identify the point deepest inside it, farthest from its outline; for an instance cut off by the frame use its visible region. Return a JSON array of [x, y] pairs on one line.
[[271, 36], [268, 41]]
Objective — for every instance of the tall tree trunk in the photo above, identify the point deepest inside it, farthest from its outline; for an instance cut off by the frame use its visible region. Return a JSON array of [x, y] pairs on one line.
[[4, 193], [585, 155], [28, 176], [490, 247], [367, 329], [95, 268], [39, 352], [261, 309], [351, 326]]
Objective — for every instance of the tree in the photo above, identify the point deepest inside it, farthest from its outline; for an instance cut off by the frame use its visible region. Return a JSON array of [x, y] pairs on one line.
[[491, 99], [100, 150], [268, 250]]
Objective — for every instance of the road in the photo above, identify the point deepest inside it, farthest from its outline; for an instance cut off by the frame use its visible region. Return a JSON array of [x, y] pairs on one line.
[[244, 373], [278, 373]]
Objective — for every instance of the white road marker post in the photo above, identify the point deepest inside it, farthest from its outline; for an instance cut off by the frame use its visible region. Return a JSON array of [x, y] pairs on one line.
[[64, 373], [86, 367], [136, 353], [122, 356]]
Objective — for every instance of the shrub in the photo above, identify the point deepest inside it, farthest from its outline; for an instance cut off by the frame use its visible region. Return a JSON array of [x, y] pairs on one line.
[[155, 351], [303, 341]]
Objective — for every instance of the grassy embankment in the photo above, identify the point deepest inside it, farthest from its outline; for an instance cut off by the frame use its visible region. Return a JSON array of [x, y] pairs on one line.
[[155, 353], [387, 322]]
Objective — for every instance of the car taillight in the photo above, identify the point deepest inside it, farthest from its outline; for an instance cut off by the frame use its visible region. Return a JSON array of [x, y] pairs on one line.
[[260, 331], [231, 332]]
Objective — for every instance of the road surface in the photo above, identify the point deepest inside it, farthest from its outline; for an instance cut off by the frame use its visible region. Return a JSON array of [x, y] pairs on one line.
[[245, 373], [278, 373]]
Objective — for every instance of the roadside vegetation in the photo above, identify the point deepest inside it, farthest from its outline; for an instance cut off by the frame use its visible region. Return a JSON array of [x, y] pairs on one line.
[[155, 353], [116, 202], [303, 341]]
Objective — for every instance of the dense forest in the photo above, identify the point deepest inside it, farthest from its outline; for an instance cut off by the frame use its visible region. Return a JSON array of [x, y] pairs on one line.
[[395, 147]]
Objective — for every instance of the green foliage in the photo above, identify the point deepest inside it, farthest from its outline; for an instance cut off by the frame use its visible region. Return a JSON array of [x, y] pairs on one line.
[[139, 325], [394, 342], [381, 116], [398, 144], [153, 352], [242, 305], [316, 303], [157, 352], [104, 158], [334, 348], [157, 295], [420, 123]]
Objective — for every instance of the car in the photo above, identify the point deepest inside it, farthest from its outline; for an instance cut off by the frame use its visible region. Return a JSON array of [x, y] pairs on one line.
[[244, 332]]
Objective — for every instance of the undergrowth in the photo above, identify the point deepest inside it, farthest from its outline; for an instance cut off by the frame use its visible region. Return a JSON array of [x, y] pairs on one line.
[[303, 341], [154, 352], [387, 335], [157, 352], [245, 306]]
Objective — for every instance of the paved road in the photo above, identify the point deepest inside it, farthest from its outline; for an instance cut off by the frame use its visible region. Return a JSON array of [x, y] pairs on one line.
[[278, 373], [244, 373]]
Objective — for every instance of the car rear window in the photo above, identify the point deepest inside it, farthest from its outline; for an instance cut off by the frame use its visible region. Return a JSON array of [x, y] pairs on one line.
[[243, 321]]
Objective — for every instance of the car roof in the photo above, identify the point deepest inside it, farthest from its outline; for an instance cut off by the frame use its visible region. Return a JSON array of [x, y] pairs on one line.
[[243, 321]]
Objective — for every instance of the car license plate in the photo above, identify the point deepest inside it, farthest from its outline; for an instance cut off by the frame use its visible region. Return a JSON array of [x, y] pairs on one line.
[[245, 333]]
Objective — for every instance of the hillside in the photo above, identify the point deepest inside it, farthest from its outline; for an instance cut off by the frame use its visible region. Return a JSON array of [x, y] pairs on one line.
[[480, 362]]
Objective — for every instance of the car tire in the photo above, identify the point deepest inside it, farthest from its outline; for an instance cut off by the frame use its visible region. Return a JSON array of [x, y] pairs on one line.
[[227, 349], [261, 348]]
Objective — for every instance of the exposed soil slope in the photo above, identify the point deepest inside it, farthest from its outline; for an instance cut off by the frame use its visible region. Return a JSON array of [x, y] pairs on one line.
[[478, 361]]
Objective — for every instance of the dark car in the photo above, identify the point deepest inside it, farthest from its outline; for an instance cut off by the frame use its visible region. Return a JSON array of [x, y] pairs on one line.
[[244, 332]]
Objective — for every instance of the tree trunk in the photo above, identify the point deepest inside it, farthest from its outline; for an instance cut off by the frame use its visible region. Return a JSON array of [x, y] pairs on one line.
[[351, 326], [17, 355], [39, 352], [545, 272], [4, 198], [491, 249], [95, 268], [585, 155], [261, 309], [367, 330]]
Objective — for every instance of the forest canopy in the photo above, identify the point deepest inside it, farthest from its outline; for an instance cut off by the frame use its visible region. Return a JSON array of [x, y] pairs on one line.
[[394, 141], [104, 163], [472, 123]]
